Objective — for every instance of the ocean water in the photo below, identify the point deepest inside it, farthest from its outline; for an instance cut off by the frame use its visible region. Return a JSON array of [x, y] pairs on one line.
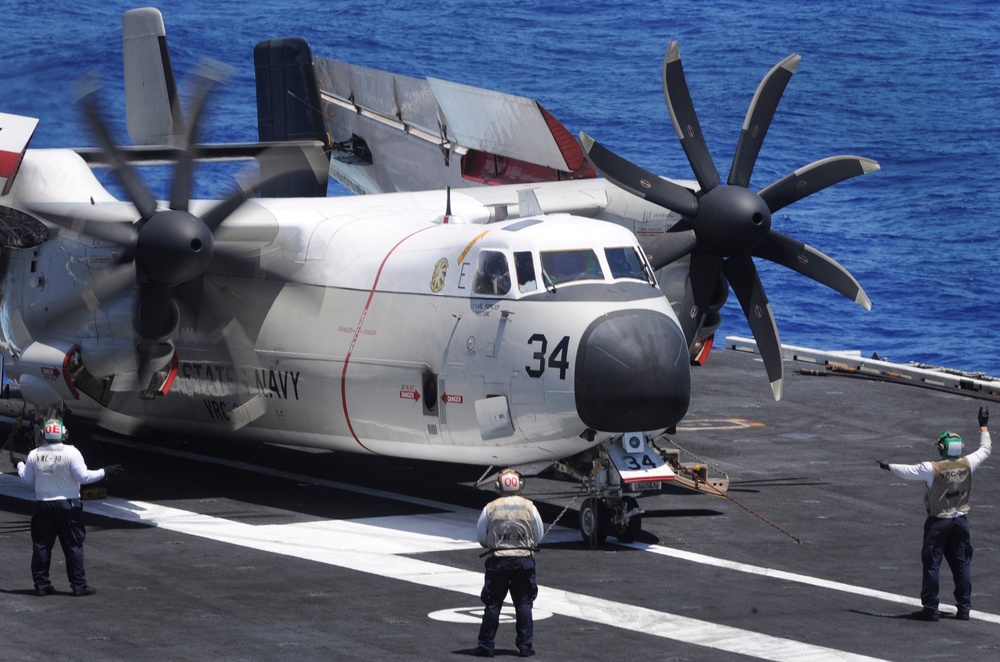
[[912, 84]]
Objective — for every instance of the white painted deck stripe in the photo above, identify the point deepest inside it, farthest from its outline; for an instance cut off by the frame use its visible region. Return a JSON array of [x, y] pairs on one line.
[[377, 546]]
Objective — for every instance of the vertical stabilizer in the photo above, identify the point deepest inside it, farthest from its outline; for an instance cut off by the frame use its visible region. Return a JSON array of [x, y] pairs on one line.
[[153, 110], [288, 108]]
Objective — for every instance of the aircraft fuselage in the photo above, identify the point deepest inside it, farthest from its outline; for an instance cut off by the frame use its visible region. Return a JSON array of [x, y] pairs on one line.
[[372, 326]]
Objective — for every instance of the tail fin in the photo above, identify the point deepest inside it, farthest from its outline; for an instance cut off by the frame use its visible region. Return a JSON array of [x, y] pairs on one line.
[[152, 107], [288, 107]]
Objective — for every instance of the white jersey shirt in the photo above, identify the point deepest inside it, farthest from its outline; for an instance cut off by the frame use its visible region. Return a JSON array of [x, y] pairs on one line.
[[57, 470]]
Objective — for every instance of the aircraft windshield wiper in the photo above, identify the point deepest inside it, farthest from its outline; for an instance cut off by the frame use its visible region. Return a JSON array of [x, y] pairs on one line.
[[549, 285]]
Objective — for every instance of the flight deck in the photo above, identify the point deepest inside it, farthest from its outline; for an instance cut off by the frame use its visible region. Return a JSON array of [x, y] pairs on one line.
[[212, 550]]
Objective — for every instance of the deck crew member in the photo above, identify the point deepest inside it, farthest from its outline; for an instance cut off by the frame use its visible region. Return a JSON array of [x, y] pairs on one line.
[[510, 528], [946, 530], [57, 470]]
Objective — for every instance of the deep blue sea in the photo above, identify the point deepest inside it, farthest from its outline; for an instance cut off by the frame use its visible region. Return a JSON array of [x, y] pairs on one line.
[[913, 84]]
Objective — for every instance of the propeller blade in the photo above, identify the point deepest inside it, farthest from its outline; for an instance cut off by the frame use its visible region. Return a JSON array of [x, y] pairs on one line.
[[758, 119], [782, 249], [122, 233], [675, 91], [742, 275], [118, 422], [241, 352], [152, 356], [107, 284], [156, 316], [814, 177], [205, 79], [155, 319], [637, 181], [126, 175], [703, 278], [283, 161], [672, 246]]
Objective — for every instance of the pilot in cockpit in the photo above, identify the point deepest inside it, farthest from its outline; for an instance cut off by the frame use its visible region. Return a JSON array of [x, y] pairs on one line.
[[493, 275]]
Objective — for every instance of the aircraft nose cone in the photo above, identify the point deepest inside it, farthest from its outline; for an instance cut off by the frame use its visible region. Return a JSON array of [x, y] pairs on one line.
[[633, 373]]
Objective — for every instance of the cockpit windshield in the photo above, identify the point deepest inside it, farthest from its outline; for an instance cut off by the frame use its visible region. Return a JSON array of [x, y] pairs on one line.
[[626, 263], [494, 276], [565, 266]]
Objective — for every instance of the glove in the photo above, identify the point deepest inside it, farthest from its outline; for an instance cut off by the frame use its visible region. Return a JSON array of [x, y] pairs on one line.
[[112, 470], [883, 465], [984, 416]]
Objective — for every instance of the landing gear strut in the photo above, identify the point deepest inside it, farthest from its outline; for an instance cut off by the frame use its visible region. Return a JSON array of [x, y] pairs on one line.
[[626, 522]]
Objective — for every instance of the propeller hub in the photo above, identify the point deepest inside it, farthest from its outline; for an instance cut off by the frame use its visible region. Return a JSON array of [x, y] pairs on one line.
[[173, 247], [731, 220]]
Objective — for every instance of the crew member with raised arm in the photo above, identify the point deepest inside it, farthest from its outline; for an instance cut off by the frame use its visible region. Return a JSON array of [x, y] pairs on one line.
[[946, 530]]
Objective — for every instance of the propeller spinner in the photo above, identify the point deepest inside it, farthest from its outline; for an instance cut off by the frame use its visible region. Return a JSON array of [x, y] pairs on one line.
[[731, 223]]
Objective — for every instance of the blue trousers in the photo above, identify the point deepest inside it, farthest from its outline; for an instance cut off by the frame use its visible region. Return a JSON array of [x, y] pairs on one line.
[[948, 538], [61, 519], [517, 575]]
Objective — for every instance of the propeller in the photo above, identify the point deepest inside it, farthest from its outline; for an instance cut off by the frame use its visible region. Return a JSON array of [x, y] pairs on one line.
[[731, 224], [166, 251]]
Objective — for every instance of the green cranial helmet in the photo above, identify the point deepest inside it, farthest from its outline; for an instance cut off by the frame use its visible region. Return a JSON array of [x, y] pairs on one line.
[[950, 445], [54, 430]]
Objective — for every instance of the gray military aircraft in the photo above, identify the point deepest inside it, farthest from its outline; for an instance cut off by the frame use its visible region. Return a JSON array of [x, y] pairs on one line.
[[486, 302]]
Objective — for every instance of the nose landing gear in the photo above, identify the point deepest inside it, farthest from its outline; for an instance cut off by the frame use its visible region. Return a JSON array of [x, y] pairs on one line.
[[631, 463]]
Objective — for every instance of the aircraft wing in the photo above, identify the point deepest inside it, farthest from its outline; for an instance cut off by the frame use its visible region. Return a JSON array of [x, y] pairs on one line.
[[396, 133]]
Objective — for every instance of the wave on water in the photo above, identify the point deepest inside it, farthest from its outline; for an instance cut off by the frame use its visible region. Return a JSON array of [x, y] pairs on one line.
[[910, 83]]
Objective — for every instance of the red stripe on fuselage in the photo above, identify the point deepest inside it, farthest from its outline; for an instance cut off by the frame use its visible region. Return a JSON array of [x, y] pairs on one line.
[[357, 332]]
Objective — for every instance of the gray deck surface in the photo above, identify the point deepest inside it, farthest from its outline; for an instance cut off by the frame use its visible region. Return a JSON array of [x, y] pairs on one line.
[[273, 553]]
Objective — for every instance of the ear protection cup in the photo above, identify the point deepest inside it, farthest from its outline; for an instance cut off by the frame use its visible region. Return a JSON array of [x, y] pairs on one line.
[[510, 481]]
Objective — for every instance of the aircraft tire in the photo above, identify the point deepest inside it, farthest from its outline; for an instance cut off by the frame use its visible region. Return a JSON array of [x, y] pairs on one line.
[[594, 522]]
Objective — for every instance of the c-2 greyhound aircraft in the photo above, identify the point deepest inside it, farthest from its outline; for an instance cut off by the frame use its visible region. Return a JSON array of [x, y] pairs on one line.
[[504, 325]]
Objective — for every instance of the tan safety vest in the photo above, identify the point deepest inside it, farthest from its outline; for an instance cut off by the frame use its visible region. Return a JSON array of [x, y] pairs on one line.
[[949, 492], [510, 531]]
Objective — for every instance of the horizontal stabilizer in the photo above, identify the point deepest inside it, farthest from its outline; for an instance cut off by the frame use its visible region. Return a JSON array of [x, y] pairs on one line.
[[166, 154]]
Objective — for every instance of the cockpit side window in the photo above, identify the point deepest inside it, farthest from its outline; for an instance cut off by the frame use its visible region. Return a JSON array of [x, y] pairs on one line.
[[566, 266], [525, 267], [492, 274], [625, 263]]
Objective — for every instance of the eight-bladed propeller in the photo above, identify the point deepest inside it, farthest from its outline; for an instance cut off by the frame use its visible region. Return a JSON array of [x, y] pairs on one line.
[[731, 224], [165, 250]]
